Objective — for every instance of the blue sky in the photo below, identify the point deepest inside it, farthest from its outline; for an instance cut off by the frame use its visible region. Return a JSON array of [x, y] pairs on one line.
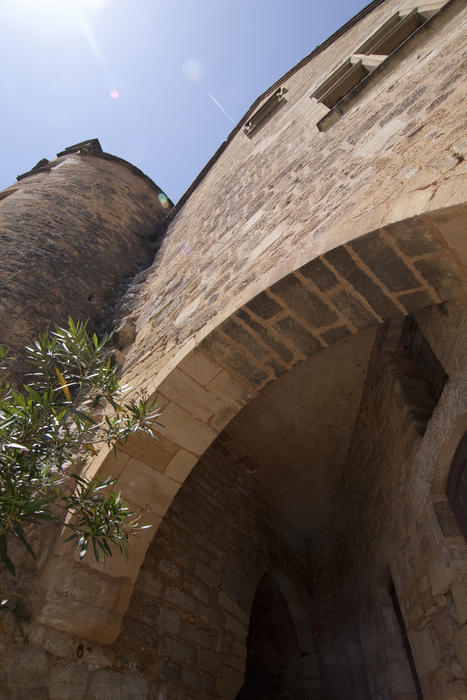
[[149, 78]]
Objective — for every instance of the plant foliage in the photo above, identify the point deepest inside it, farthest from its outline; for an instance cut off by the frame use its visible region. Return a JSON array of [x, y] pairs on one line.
[[71, 404]]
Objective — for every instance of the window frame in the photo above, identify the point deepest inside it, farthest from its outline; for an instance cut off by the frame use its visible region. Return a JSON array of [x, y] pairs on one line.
[[337, 90], [266, 110]]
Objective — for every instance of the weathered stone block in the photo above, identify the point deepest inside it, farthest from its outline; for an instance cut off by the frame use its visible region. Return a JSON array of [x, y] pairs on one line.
[[415, 301], [25, 694], [399, 677], [200, 366], [155, 453], [304, 341], [145, 486], [240, 335], [229, 685], [186, 430], [178, 652], [459, 594], [147, 583], [445, 519], [106, 684], [191, 679], [54, 642], [68, 680], [414, 238], [319, 274], [208, 616], [235, 360], [208, 576], [179, 598], [169, 568], [180, 466], [264, 306], [304, 303], [385, 263], [237, 628], [230, 390], [125, 334], [209, 661], [28, 668], [444, 274], [191, 396], [266, 336], [440, 572], [168, 621], [341, 259], [170, 671], [353, 310], [426, 655], [333, 335], [135, 632]]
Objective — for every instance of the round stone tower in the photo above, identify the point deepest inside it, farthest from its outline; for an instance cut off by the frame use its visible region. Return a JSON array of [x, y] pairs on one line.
[[71, 230]]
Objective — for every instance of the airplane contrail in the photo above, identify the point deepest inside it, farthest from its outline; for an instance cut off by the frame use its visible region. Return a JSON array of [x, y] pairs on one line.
[[221, 107]]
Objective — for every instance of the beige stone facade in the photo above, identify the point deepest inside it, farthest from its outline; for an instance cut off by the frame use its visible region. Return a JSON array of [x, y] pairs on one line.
[[303, 322]]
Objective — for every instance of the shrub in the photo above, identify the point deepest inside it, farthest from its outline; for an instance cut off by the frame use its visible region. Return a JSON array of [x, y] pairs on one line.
[[70, 404]]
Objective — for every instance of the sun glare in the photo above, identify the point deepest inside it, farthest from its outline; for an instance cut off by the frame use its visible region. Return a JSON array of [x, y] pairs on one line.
[[95, 5], [55, 9], [59, 18]]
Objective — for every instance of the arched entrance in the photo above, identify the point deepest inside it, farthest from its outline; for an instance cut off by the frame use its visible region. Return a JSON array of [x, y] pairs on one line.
[[274, 658], [336, 296]]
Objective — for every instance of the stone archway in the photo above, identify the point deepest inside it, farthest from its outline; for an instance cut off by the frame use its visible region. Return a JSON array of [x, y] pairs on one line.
[[382, 275], [273, 665], [281, 658]]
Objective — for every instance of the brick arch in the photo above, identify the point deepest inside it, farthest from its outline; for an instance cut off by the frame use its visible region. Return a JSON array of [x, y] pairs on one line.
[[382, 275]]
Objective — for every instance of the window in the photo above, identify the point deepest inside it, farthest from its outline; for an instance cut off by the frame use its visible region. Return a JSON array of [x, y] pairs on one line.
[[355, 70], [265, 111], [457, 485]]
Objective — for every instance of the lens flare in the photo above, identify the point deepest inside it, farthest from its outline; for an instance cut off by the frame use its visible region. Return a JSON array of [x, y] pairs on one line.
[[192, 70], [114, 94], [163, 200]]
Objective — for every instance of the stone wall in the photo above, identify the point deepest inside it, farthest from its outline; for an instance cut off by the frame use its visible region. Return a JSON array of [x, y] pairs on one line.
[[399, 525], [184, 635], [72, 231], [291, 240], [271, 203]]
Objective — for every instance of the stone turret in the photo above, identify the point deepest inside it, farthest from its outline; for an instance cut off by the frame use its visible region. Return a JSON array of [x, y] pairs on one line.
[[71, 230]]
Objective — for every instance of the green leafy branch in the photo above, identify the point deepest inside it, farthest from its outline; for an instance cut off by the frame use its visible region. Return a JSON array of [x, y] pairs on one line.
[[71, 403]]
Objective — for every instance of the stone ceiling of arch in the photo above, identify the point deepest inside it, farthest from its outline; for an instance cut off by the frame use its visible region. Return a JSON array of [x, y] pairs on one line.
[[298, 430]]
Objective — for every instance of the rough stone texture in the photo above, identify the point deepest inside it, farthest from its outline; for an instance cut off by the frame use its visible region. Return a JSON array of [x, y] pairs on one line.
[[188, 621], [384, 169], [400, 527], [279, 208], [294, 241], [70, 235]]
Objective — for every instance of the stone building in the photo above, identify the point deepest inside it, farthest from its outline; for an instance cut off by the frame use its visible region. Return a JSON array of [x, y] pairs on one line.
[[301, 315]]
